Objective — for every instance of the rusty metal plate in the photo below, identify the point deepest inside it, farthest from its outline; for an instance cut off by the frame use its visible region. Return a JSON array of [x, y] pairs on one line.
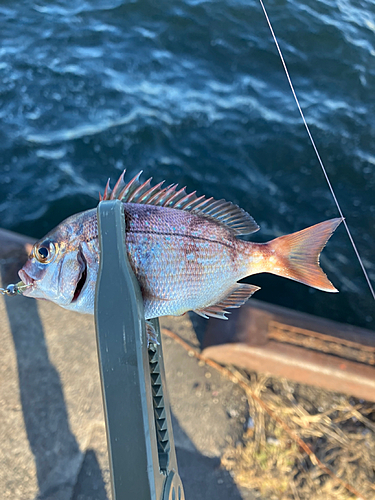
[[301, 347]]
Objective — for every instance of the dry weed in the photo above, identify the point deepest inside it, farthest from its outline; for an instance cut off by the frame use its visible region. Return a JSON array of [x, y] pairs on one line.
[[338, 429], [301, 442]]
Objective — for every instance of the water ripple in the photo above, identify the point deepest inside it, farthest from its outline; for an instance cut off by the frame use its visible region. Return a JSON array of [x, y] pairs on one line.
[[194, 92]]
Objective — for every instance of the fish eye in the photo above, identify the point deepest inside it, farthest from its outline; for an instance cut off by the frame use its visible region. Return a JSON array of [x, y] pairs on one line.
[[44, 252]]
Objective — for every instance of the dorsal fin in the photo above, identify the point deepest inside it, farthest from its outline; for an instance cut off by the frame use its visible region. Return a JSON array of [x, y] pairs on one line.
[[224, 212]]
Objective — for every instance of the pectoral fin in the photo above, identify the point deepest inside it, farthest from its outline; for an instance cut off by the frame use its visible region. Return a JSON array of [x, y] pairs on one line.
[[235, 298]]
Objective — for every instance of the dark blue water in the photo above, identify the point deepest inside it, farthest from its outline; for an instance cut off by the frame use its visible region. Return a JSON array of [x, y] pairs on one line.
[[194, 92]]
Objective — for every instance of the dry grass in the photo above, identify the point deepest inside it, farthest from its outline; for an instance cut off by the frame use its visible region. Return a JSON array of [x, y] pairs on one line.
[[301, 442], [339, 430]]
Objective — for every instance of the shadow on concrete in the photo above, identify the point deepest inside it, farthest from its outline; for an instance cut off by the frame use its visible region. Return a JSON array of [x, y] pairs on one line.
[[200, 326], [202, 476], [58, 458], [90, 485]]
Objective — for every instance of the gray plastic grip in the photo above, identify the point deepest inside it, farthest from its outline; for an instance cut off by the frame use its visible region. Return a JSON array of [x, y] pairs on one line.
[[141, 449]]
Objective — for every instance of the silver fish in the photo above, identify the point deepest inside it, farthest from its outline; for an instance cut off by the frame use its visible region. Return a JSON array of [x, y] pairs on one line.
[[183, 249]]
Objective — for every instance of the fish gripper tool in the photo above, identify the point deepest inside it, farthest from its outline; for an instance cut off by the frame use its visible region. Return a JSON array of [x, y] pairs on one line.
[[141, 451]]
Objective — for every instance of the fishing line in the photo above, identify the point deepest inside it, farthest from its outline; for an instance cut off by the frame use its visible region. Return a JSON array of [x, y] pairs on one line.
[[316, 151]]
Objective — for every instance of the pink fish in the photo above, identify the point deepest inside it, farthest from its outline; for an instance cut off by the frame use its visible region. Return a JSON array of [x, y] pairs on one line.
[[183, 249]]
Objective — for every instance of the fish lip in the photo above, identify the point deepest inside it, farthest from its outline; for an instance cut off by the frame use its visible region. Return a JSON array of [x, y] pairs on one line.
[[25, 277], [82, 277]]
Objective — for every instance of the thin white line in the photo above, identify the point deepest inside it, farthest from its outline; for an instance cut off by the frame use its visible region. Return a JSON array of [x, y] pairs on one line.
[[317, 152]]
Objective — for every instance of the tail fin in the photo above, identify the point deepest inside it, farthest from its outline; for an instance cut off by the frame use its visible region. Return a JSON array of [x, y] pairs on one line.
[[298, 254]]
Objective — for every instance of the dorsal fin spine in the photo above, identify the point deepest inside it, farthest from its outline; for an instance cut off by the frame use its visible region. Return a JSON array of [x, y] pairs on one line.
[[106, 190], [172, 200], [155, 194], [158, 198], [147, 194], [216, 204], [139, 189], [197, 202], [117, 186], [129, 185], [169, 193], [181, 196], [189, 206], [200, 207], [186, 200]]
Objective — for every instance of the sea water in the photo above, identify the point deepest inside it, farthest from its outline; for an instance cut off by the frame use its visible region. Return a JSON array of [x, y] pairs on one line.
[[194, 92]]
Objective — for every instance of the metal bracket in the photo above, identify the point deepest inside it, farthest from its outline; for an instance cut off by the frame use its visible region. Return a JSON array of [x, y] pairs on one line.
[[141, 450]]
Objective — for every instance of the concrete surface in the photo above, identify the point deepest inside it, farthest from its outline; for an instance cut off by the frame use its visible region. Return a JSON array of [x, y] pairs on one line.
[[52, 434]]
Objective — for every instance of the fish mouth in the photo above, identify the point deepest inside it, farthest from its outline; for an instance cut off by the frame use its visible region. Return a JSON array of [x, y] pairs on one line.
[[25, 278], [82, 279]]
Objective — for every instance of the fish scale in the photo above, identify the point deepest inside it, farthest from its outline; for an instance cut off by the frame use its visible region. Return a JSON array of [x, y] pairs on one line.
[[178, 259]]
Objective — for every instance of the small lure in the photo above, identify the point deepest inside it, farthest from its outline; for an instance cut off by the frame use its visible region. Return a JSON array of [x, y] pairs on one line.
[[14, 289]]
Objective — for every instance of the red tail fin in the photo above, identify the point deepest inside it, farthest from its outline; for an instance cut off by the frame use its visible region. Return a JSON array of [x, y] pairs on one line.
[[297, 255]]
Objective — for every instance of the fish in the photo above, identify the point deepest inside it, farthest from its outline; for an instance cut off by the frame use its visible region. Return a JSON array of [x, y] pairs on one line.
[[185, 250]]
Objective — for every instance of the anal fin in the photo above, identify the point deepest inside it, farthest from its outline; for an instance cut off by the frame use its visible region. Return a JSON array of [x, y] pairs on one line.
[[237, 296]]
